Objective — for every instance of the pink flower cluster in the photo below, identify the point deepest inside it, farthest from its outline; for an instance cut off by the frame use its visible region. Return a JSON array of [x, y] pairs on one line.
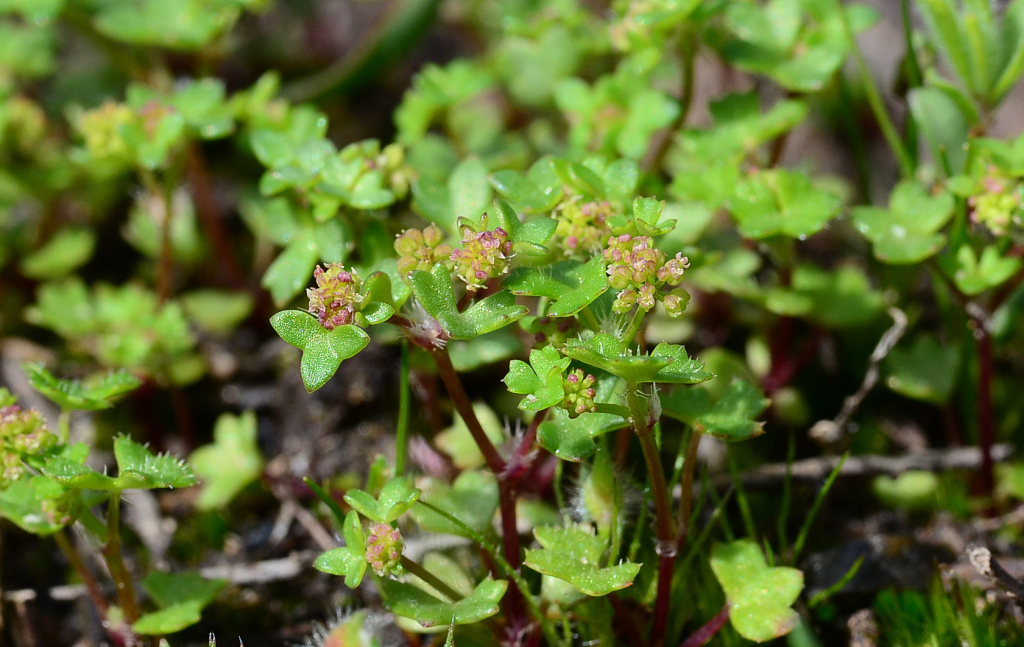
[[335, 299], [484, 255], [638, 270]]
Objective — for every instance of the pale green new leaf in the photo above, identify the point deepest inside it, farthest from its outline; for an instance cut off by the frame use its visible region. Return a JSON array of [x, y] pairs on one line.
[[228, 464], [412, 602], [396, 497], [759, 596], [540, 380], [574, 554]]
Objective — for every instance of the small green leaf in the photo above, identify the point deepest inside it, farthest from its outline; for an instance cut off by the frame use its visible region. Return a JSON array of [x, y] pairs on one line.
[[68, 468], [574, 554], [974, 276], [841, 298], [759, 596], [540, 380], [574, 286], [217, 311], [572, 439], [290, 271], [906, 232], [927, 371], [349, 560], [323, 350], [435, 293], [169, 620], [37, 505], [944, 125], [412, 602], [732, 417], [181, 598], [138, 468], [396, 497], [527, 196], [472, 499], [93, 394], [913, 490], [780, 202], [228, 464], [169, 589], [68, 250], [667, 363]]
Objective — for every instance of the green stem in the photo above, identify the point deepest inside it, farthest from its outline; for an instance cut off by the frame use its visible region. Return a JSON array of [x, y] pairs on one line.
[[915, 77], [591, 319], [393, 36], [402, 433], [874, 98], [634, 327], [855, 136], [115, 560], [64, 425], [430, 579]]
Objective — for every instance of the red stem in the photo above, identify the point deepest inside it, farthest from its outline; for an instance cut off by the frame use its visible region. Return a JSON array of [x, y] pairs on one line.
[[464, 407], [986, 421], [514, 603], [708, 631], [206, 207], [666, 566]]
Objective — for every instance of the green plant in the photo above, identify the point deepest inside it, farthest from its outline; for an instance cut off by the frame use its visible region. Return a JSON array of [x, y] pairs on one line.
[[47, 487], [556, 212]]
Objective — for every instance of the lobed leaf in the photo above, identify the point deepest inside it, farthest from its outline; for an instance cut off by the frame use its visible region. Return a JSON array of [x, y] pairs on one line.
[[412, 602], [396, 497], [759, 596], [574, 554]]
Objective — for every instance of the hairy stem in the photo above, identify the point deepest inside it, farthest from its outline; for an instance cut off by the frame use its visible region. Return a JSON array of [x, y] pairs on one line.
[[402, 431], [430, 579], [634, 327], [664, 527], [115, 560], [708, 631]]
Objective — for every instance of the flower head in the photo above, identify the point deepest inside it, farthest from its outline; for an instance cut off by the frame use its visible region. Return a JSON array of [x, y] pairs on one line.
[[638, 270], [335, 299], [995, 206], [421, 250], [484, 254], [23, 433], [384, 547], [101, 129], [579, 393], [582, 226]]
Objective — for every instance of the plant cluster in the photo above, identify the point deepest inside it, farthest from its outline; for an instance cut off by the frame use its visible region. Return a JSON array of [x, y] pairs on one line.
[[551, 222]]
